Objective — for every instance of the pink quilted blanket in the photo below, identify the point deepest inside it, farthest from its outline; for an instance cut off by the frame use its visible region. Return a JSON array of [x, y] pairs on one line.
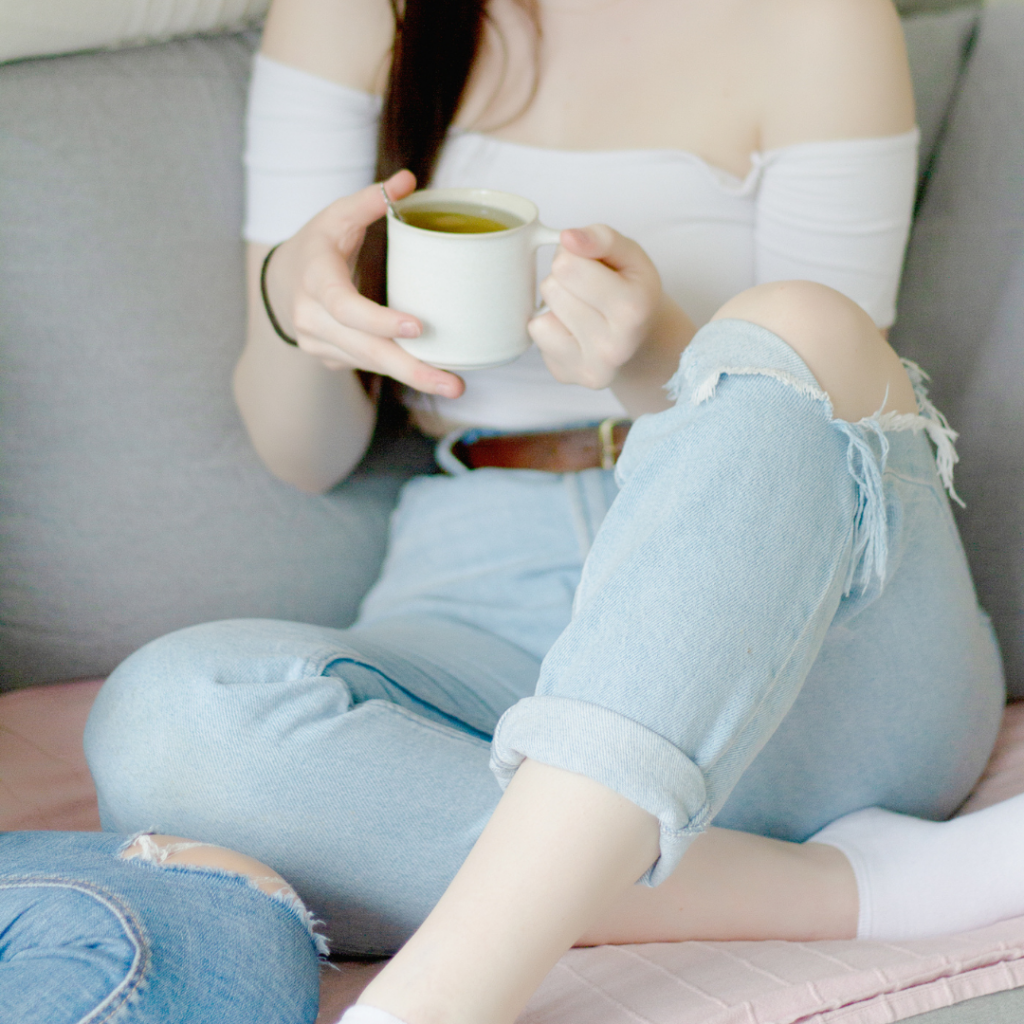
[[44, 784]]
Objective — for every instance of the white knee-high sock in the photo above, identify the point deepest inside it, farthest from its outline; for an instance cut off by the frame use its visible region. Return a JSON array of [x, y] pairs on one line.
[[917, 878], [363, 1014]]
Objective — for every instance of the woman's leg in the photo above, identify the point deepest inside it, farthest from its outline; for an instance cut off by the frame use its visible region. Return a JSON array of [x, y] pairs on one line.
[[334, 756], [204, 743], [745, 517], [532, 884], [89, 930], [735, 885]]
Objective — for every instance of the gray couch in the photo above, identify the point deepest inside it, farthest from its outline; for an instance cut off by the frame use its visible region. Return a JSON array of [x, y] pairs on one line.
[[131, 503]]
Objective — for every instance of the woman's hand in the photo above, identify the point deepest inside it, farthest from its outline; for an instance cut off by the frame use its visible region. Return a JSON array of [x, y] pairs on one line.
[[305, 409], [309, 281], [609, 322]]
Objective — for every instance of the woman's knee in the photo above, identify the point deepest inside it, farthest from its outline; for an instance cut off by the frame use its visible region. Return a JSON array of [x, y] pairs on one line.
[[188, 729], [156, 715], [179, 676], [846, 352], [151, 688], [176, 851]]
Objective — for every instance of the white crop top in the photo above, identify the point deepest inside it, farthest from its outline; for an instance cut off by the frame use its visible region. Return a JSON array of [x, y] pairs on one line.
[[834, 212]]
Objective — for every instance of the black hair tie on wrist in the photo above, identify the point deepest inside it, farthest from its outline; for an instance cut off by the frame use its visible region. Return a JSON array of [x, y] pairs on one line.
[[278, 330]]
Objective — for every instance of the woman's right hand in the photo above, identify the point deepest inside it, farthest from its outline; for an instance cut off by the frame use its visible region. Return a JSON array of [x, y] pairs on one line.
[[309, 283]]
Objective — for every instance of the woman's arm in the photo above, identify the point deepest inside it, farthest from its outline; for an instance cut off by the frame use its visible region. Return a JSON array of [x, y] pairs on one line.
[[305, 409], [557, 853], [306, 412], [309, 424], [344, 41], [831, 74]]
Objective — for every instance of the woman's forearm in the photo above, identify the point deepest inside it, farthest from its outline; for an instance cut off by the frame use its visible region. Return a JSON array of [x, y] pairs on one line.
[[640, 384], [310, 425]]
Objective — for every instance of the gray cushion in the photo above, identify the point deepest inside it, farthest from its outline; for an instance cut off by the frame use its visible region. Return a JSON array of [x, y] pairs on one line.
[[937, 46], [961, 314], [130, 500]]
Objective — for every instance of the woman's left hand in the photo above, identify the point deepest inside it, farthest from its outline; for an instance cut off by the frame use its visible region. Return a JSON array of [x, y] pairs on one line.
[[609, 322]]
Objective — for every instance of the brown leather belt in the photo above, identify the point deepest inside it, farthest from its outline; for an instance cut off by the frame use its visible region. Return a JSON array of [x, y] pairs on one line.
[[557, 451]]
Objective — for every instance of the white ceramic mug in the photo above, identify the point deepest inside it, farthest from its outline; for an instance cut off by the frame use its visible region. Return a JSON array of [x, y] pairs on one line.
[[473, 293]]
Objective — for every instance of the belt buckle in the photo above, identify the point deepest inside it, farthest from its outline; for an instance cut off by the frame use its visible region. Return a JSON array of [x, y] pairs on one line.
[[606, 435]]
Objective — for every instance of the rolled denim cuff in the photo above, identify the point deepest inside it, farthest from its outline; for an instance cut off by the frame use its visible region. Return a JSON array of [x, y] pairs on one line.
[[616, 751]]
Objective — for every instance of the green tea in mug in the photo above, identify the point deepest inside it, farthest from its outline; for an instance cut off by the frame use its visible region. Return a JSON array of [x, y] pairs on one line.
[[460, 219]]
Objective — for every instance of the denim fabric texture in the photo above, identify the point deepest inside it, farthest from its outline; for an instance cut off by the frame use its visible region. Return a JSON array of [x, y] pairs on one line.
[[763, 619], [86, 936]]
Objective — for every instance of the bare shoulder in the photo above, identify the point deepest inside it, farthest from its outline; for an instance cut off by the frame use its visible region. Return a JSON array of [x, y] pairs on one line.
[[833, 69], [346, 41]]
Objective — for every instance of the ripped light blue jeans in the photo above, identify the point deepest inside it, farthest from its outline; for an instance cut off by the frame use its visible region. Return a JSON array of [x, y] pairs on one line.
[[87, 937], [764, 620]]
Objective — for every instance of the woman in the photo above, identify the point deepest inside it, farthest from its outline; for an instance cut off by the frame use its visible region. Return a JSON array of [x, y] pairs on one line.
[[773, 629]]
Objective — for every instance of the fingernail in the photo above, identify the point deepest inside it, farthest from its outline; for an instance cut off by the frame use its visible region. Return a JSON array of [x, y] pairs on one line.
[[408, 329]]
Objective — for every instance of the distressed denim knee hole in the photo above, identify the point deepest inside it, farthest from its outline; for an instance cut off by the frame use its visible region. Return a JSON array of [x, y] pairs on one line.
[[167, 852], [738, 348]]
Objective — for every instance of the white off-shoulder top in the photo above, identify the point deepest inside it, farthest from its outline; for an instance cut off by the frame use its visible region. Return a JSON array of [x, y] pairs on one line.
[[833, 212]]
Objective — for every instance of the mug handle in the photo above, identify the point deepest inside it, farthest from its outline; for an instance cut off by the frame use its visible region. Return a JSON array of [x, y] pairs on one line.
[[543, 235]]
